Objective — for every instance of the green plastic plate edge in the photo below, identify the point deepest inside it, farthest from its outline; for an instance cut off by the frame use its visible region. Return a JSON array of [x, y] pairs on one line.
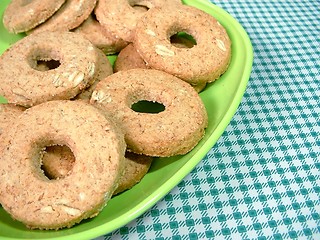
[[239, 39]]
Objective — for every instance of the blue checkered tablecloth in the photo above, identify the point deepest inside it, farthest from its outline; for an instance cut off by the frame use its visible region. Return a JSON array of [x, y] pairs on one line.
[[261, 180]]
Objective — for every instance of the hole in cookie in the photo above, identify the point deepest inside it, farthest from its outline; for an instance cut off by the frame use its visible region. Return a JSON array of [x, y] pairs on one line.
[[44, 58], [57, 161], [94, 17], [46, 65], [182, 40], [25, 2], [140, 8], [145, 106]]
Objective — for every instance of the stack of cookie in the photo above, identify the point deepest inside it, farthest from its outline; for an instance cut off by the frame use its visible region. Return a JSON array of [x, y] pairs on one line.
[[48, 133], [70, 129], [167, 35]]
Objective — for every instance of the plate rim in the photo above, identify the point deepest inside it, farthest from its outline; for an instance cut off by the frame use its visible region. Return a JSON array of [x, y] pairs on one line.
[[152, 199]]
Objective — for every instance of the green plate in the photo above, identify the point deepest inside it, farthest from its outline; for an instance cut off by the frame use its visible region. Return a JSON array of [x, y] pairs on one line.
[[221, 99]]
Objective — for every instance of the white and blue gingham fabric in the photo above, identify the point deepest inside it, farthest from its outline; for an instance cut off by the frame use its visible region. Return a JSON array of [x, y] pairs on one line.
[[261, 180]]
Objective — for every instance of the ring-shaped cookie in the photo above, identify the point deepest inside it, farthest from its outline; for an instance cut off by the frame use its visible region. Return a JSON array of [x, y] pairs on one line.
[[69, 16], [120, 17], [173, 131], [204, 62], [23, 15], [24, 84], [98, 147]]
